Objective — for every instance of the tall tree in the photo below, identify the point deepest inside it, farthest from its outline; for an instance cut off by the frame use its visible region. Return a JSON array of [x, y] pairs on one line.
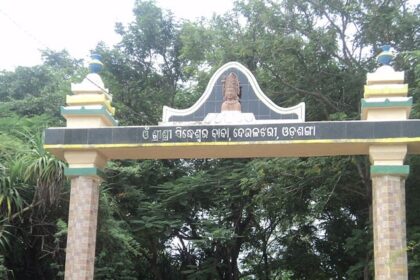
[[295, 218]]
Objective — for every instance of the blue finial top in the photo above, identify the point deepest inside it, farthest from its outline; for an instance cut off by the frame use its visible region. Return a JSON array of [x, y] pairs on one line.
[[95, 65], [386, 56]]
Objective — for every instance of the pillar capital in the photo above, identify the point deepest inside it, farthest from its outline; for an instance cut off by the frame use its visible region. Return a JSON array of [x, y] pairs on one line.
[[83, 158], [387, 154], [84, 163]]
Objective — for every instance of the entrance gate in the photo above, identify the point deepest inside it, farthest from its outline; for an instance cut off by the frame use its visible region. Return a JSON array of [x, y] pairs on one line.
[[234, 119]]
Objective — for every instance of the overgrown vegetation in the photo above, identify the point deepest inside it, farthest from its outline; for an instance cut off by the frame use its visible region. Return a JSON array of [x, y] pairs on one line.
[[289, 218]]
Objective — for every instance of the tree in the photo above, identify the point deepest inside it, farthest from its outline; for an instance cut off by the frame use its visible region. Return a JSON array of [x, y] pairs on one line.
[[31, 180], [212, 218], [255, 218], [31, 189]]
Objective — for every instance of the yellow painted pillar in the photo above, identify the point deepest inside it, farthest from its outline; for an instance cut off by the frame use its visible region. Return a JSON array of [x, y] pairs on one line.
[[385, 99], [88, 107]]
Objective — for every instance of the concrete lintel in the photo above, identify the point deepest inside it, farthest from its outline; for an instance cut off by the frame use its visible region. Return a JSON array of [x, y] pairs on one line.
[[387, 154], [157, 142]]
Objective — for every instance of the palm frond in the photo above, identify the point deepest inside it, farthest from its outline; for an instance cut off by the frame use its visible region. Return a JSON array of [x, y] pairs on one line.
[[10, 199], [48, 175]]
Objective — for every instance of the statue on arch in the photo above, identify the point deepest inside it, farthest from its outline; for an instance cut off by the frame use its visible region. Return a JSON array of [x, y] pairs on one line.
[[231, 93]]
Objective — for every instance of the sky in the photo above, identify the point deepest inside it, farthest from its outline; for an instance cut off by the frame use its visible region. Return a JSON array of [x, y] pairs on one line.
[[27, 26]]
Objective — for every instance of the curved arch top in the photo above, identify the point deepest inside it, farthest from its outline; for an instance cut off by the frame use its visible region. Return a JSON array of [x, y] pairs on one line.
[[256, 107]]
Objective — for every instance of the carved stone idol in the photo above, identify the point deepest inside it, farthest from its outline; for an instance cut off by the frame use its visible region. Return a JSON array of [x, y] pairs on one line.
[[231, 93]]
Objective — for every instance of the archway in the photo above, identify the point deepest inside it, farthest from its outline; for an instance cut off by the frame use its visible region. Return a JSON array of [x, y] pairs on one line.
[[235, 119]]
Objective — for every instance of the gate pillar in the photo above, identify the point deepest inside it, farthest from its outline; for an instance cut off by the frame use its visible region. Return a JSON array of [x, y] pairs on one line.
[[386, 100], [389, 227], [81, 237], [88, 107]]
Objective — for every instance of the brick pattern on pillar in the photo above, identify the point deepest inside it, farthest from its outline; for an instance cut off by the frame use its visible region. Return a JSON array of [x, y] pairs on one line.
[[389, 227], [81, 237]]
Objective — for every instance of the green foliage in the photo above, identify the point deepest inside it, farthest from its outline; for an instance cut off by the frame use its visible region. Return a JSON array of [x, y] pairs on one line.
[[5, 235], [33, 91], [293, 218], [4, 272], [118, 249], [29, 179], [10, 199], [143, 71]]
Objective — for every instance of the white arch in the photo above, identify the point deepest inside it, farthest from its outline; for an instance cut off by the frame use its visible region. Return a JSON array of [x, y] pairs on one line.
[[299, 109]]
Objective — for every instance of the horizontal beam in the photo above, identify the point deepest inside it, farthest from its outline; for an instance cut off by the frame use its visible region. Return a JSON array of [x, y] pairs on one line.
[[236, 141]]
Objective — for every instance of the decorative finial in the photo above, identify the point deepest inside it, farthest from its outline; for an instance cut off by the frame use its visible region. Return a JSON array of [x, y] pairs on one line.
[[386, 56], [95, 65]]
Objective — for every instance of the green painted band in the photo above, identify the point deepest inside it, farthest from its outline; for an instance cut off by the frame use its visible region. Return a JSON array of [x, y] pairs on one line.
[[387, 103], [83, 111], [390, 170], [83, 171]]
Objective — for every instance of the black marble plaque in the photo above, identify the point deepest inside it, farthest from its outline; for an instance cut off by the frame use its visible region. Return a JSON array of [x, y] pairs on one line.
[[234, 133]]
